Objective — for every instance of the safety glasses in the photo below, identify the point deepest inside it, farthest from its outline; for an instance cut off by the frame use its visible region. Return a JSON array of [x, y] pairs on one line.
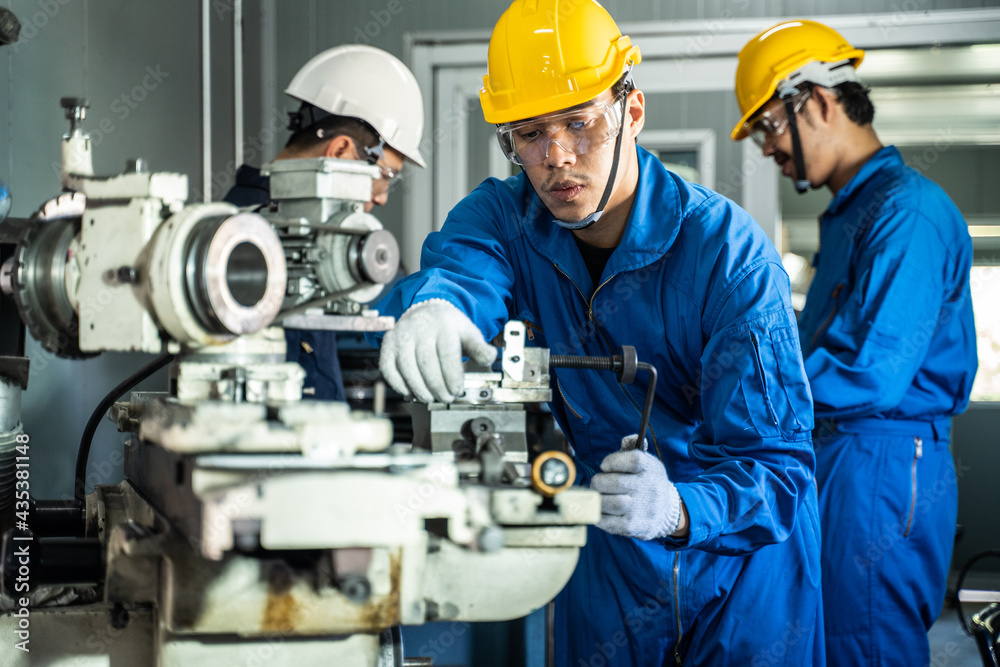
[[388, 178], [375, 155], [771, 124], [578, 131]]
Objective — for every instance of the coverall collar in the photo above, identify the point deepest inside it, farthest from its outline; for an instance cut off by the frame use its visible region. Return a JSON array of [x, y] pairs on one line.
[[886, 157], [652, 227]]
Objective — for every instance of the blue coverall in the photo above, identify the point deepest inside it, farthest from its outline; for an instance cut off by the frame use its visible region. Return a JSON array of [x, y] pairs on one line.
[[890, 350], [699, 290], [315, 351]]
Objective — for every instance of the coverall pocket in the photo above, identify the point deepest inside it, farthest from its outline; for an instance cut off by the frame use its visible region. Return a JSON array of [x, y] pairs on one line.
[[578, 423], [777, 385], [793, 380]]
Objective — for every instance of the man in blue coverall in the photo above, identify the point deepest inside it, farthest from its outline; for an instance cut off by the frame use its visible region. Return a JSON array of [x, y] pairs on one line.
[[357, 103], [708, 547], [888, 339]]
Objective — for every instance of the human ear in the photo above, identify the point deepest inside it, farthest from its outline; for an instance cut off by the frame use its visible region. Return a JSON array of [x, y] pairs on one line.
[[341, 147], [636, 111]]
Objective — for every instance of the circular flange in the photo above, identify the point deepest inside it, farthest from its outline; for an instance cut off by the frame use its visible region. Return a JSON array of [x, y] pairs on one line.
[[245, 273], [189, 274]]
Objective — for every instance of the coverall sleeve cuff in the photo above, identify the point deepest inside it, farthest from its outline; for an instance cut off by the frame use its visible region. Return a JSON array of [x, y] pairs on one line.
[[698, 531]]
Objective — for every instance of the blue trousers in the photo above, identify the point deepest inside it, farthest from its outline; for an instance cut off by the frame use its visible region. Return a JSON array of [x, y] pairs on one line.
[[633, 603], [888, 499]]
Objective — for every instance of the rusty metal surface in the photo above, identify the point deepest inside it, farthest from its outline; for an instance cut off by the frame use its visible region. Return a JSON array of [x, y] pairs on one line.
[[255, 597]]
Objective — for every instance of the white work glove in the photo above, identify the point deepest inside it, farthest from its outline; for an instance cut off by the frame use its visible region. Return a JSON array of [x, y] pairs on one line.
[[637, 499], [422, 354]]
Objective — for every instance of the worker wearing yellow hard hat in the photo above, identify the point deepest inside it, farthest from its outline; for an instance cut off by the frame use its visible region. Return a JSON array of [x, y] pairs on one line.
[[888, 338], [540, 68], [772, 66], [596, 245]]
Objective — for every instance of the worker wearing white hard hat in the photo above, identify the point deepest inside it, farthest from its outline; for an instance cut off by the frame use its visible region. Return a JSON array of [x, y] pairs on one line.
[[356, 102]]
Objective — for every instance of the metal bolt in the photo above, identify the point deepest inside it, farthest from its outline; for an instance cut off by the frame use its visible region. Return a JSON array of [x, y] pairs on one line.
[[127, 274], [118, 617], [355, 588], [515, 358], [554, 472]]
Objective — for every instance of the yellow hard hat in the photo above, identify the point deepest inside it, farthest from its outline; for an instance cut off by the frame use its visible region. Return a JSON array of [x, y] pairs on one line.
[[548, 55], [779, 51]]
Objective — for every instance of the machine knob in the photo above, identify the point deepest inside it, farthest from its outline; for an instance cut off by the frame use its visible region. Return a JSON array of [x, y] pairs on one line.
[[552, 473]]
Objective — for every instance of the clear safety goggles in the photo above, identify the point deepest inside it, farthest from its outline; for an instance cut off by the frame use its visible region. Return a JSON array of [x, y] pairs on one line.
[[771, 124], [388, 178], [578, 131], [375, 156]]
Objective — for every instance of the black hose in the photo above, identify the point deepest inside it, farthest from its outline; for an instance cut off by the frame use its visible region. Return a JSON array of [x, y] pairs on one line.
[[80, 492], [961, 579]]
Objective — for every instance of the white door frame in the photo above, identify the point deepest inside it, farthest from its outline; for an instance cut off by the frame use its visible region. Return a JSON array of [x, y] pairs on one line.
[[678, 56], [702, 142]]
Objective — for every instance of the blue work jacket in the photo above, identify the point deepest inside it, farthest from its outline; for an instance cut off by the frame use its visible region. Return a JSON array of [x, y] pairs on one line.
[[887, 330], [699, 290]]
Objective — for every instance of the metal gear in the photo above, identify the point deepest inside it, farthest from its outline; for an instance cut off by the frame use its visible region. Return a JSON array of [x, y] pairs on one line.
[[40, 285]]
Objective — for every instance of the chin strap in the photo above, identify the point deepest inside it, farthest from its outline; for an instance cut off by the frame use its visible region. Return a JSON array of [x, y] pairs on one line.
[[596, 215], [801, 184]]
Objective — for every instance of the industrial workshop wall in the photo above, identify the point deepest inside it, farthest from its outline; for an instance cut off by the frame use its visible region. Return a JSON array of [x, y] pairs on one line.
[[142, 65], [687, 75]]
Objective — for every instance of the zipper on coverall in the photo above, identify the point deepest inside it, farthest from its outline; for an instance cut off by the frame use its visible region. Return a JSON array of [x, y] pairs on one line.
[[652, 435], [918, 451]]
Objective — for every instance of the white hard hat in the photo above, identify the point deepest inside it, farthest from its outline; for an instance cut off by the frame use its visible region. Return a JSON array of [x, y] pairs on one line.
[[363, 82]]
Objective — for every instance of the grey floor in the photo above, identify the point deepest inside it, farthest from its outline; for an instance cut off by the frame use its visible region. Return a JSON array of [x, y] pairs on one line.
[[950, 646]]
